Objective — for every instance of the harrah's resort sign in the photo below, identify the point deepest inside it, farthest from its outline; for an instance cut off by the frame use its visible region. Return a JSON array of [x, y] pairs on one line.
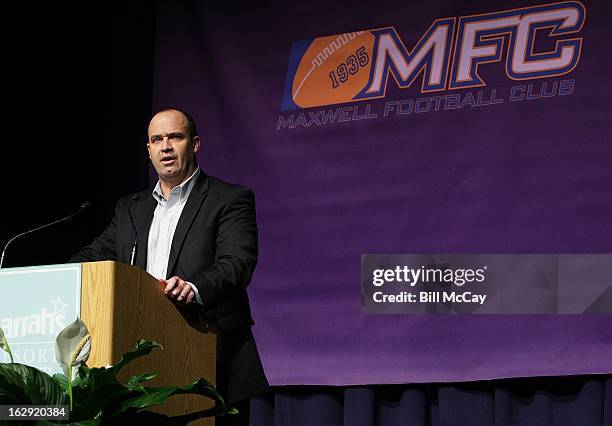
[[356, 66]]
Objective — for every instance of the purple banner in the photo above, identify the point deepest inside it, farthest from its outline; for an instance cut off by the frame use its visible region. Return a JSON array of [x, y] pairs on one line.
[[402, 127]]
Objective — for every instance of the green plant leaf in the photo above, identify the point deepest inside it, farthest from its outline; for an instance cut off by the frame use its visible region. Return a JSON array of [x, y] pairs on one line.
[[92, 378], [143, 347], [156, 396], [29, 385], [94, 391], [61, 380], [134, 383], [12, 388], [93, 403]]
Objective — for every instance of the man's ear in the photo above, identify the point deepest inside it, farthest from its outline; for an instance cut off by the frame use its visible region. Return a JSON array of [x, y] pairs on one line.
[[149, 150], [196, 144]]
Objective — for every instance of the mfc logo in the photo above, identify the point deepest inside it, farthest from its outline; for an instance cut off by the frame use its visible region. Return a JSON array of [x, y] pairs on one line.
[[356, 66]]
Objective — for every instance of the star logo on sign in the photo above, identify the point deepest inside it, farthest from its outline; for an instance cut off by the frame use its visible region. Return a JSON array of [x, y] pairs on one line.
[[59, 307]]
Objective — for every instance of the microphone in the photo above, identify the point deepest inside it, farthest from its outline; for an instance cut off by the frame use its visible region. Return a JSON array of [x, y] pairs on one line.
[[134, 199], [81, 209]]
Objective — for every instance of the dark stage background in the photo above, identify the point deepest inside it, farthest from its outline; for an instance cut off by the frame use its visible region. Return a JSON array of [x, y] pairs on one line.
[[77, 86], [78, 93]]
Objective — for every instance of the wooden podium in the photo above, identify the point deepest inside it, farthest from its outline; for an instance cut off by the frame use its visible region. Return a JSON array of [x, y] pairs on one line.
[[121, 304]]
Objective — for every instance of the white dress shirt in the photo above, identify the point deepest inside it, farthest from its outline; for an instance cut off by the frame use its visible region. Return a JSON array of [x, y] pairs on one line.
[[166, 217]]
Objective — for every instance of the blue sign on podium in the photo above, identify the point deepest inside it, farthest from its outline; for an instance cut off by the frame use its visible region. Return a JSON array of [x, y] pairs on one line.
[[36, 303]]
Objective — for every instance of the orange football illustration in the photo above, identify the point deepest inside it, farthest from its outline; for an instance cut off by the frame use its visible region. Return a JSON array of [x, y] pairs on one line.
[[334, 69]]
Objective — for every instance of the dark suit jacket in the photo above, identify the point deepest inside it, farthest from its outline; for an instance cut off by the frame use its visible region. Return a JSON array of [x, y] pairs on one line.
[[215, 248]]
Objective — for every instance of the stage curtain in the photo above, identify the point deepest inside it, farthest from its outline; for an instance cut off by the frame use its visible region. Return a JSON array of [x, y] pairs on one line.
[[550, 401]]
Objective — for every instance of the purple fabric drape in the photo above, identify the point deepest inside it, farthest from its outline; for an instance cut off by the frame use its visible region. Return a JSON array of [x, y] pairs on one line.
[[558, 401]]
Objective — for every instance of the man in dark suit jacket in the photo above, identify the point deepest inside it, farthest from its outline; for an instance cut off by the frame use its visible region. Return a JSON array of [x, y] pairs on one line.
[[198, 236]]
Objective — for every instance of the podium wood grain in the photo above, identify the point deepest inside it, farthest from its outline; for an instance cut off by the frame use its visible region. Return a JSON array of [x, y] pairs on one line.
[[121, 304]]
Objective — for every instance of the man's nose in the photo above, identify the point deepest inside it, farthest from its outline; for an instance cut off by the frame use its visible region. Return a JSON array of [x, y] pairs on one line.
[[166, 145]]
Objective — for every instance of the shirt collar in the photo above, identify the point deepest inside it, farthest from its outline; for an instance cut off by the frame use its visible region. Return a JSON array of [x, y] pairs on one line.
[[185, 186]]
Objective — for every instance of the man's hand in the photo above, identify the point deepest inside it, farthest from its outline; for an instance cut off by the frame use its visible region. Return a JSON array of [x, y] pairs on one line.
[[178, 290]]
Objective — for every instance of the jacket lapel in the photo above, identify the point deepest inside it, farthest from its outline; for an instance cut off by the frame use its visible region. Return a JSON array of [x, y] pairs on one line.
[[143, 216], [191, 209]]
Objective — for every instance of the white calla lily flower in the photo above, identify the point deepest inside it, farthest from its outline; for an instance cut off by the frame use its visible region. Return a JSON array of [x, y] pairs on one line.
[[72, 347]]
